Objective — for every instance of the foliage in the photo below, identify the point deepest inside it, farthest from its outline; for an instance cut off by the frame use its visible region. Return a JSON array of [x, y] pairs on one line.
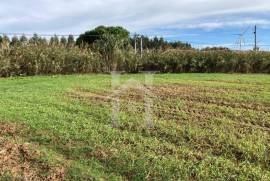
[[179, 61], [216, 48], [35, 56], [111, 48], [102, 33], [109, 42], [158, 43], [39, 57]]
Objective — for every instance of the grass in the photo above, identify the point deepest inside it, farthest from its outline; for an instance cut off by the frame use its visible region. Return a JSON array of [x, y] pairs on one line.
[[205, 126]]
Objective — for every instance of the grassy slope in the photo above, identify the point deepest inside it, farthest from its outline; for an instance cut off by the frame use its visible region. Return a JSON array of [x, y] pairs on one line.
[[219, 129]]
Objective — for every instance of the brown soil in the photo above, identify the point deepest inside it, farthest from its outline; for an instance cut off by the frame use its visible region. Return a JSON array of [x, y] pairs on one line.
[[7, 129], [23, 161]]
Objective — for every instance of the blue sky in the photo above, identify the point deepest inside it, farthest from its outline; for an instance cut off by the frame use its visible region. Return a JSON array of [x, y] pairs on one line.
[[201, 22]]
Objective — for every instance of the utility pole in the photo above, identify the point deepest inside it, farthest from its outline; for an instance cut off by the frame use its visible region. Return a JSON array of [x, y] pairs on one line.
[[141, 46], [255, 38], [135, 41]]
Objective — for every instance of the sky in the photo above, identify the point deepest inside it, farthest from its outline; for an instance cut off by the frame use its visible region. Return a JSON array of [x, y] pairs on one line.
[[200, 22]]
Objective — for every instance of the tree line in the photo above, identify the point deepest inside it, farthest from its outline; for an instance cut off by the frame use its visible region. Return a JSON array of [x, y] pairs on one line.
[[36, 39], [99, 33]]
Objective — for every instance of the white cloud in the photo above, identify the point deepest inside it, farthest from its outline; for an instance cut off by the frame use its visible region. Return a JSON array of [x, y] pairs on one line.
[[60, 16], [234, 23]]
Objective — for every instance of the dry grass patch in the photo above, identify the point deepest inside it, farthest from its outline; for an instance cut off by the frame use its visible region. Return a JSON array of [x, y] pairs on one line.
[[23, 161]]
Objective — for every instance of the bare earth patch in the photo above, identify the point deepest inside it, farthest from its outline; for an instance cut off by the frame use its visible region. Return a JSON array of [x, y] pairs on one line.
[[21, 161], [7, 129]]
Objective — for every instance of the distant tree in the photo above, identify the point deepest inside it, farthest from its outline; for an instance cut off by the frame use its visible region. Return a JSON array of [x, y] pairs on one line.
[[63, 40], [14, 40], [5, 42], [35, 39], [70, 40], [158, 43], [155, 43], [54, 40], [43, 41], [100, 32], [162, 44], [216, 48], [180, 45], [23, 39], [5, 39]]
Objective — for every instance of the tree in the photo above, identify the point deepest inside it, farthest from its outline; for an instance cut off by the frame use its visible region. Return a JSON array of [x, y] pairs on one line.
[[111, 49], [35, 39], [155, 43], [71, 40], [110, 42], [63, 40], [23, 39], [6, 39], [180, 45], [43, 41], [54, 40], [14, 40], [216, 49], [158, 43], [100, 32], [5, 42]]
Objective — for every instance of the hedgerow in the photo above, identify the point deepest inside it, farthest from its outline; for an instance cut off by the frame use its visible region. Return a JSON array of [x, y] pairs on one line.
[[58, 58]]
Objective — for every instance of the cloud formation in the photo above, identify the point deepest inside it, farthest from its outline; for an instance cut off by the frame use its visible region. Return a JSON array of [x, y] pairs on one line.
[[75, 16]]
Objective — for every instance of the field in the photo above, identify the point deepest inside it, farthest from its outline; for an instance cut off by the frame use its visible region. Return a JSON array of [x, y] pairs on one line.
[[204, 127]]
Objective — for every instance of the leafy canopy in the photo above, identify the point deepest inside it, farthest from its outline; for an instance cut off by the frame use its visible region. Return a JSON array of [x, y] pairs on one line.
[[100, 32]]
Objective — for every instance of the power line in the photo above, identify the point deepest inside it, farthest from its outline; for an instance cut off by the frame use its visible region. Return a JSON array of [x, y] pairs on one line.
[[51, 35], [44, 35], [241, 40]]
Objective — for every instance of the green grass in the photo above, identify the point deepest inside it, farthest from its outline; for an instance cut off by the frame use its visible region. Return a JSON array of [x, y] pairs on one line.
[[205, 126]]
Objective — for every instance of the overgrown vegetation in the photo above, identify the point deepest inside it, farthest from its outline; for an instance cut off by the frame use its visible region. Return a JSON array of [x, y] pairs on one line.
[[106, 49], [207, 61], [39, 57], [205, 127]]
